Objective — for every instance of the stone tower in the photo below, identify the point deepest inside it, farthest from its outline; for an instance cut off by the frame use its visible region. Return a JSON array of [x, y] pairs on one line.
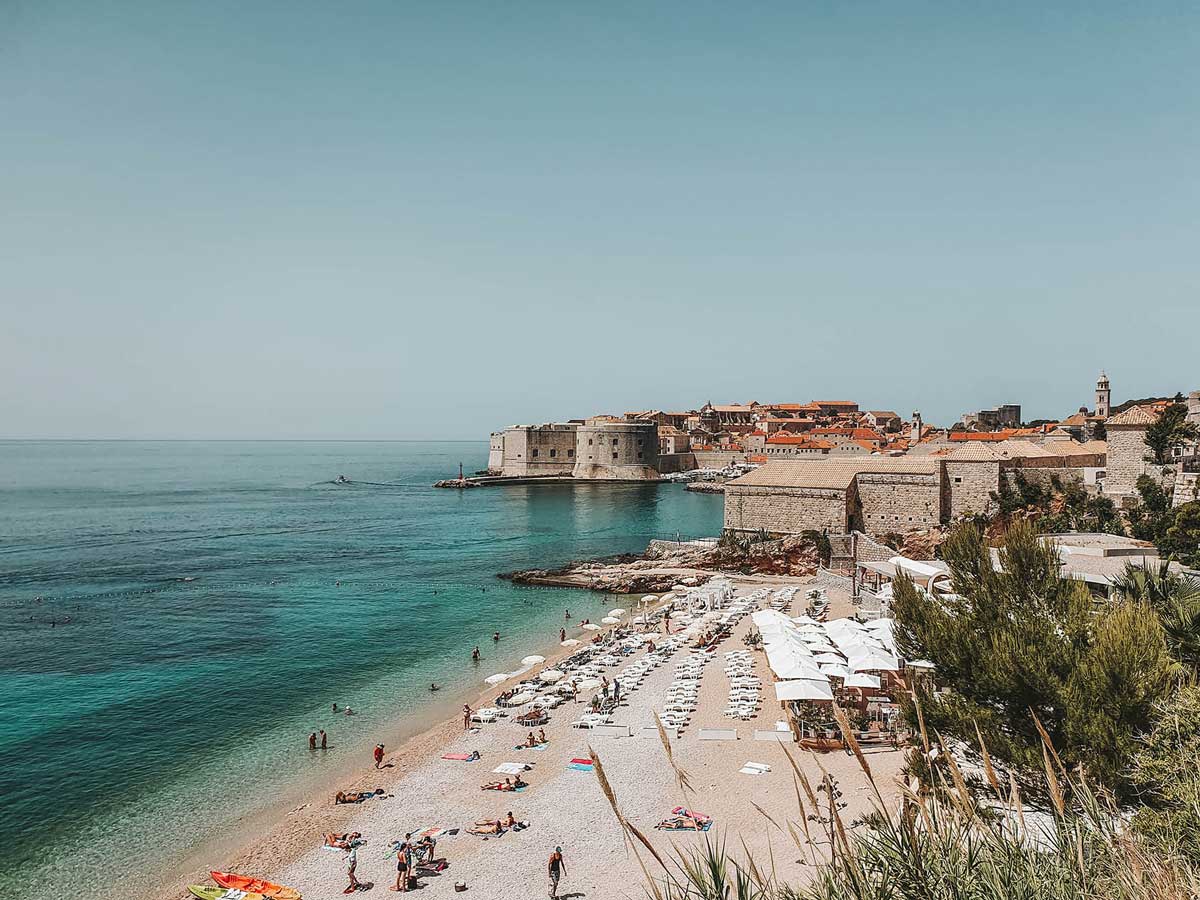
[[1103, 394], [916, 427]]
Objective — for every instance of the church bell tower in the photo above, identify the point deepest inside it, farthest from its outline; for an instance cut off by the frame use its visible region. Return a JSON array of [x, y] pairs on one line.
[[1103, 394]]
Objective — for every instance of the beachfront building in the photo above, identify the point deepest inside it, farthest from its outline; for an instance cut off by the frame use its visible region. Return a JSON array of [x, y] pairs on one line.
[[873, 494], [523, 451]]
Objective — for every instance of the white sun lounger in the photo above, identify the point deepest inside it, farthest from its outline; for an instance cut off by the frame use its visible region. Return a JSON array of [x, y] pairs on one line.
[[717, 734]]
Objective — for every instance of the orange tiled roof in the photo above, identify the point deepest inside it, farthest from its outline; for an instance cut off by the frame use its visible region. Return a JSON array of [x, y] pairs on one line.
[[798, 440], [994, 436]]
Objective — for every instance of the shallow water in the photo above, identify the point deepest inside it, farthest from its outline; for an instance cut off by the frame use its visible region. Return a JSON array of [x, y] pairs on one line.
[[199, 631]]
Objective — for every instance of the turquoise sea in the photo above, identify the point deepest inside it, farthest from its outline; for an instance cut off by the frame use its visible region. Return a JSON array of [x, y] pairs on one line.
[[172, 626]]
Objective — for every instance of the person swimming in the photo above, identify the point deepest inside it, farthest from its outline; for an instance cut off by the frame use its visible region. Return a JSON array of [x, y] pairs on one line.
[[433, 686]]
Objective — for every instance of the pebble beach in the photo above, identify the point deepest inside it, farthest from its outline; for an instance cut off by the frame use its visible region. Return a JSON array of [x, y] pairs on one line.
[[565, 806]]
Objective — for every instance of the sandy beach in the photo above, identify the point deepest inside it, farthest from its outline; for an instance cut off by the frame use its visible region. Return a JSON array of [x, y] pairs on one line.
[[564, 806]]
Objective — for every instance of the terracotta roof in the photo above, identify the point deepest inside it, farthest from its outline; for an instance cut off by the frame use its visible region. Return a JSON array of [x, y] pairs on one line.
[[798, 440], [1075, 448], [970, 453], [834, 403], [832, 473], [993, 436], [1135, 415], [881, 413], [858, 434]]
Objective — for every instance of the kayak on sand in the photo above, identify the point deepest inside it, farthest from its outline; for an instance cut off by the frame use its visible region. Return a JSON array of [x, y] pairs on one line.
[[255, 886], [205, 892]]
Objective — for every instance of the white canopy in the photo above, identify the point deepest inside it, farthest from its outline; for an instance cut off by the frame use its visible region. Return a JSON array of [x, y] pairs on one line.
[[570, 642], [533, 660], [874, 661], [497, 678], [611, 620], [831, 658], [550, 676], [590, 626], [618, 612], [834, 670], [803, 689], [523, 697]]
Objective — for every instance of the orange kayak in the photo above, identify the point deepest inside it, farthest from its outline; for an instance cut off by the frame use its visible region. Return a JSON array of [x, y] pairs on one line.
[[255, 886]]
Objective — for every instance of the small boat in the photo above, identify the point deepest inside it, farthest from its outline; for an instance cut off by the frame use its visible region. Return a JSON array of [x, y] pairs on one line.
[[341, 479], [254, 886], [205, 892]]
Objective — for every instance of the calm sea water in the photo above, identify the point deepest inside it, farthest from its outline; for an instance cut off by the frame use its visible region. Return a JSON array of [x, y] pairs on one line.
[[172, 627]]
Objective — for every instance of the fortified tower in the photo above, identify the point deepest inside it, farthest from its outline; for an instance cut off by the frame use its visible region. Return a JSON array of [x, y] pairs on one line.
[[1103, 395], [617, 451]]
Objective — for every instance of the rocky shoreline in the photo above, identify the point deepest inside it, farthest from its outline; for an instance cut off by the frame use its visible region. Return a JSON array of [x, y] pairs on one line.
[[665, 564]]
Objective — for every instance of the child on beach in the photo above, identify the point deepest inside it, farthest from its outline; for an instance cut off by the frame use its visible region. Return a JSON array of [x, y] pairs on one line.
[[378, 755]]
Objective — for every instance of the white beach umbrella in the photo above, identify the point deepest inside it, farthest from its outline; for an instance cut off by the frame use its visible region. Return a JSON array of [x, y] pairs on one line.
[[590, 626], [875, 661], [523, 697], [798, 669], [570, 642], [497, 678], [649, 598], [862, 680], [805, 620], [618, 612], [832, 670], [588, 684], [803, 689], [550, 676], [833, 659], [611, 620], [920, 664], [533, 660]]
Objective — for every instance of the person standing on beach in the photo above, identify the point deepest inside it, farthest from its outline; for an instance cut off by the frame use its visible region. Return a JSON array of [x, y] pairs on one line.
[[312, 741], [323, 739], [351, 865], [378, 755], [562, 634], [466, 716], [556, 869]]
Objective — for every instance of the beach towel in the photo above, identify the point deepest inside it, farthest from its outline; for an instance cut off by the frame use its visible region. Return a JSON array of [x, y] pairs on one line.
[[461, 757], [511, 768], [534, 747], [753, 768], [691, 814], [581, 764]]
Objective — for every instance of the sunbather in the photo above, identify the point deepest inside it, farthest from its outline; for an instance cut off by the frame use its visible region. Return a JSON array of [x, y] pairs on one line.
[[487, 828], [505, 785], [542, 736], [346, 841], [681, 823], [511, 822], [531, 741], [356, 796]]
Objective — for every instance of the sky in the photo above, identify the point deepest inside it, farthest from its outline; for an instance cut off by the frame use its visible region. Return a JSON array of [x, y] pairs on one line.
[[407, 221]]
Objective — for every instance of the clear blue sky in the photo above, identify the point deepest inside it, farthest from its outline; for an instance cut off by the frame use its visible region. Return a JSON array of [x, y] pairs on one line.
[[406, 220]]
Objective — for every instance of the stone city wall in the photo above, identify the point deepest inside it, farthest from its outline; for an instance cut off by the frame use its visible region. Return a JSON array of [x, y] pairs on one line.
[[1126, 458], [538, 450], [968, 488], [784, 510], [898, 502]]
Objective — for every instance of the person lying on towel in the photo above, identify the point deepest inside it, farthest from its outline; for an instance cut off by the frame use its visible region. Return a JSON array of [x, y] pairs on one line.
[[346, 841], [487, 828], [682, 823], [356, 796]]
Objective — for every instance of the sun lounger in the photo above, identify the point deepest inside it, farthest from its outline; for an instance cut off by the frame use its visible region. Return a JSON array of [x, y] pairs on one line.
[[753, 768], [717, 734], [782, 737], [612, 730]]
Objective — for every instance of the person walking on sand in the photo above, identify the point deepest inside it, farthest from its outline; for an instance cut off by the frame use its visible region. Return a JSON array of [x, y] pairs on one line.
[[312, 741], [466, 716], [323, 740], [351, 865], [378, 755], [556, 869]]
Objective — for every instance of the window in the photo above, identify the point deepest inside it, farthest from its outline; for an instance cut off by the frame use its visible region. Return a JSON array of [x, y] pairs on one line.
[[639, 443], [570, 453], [553, 453], [535, 452], [958, 479], [639, 454], [614, 442], [614, 455], [589, 442]]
